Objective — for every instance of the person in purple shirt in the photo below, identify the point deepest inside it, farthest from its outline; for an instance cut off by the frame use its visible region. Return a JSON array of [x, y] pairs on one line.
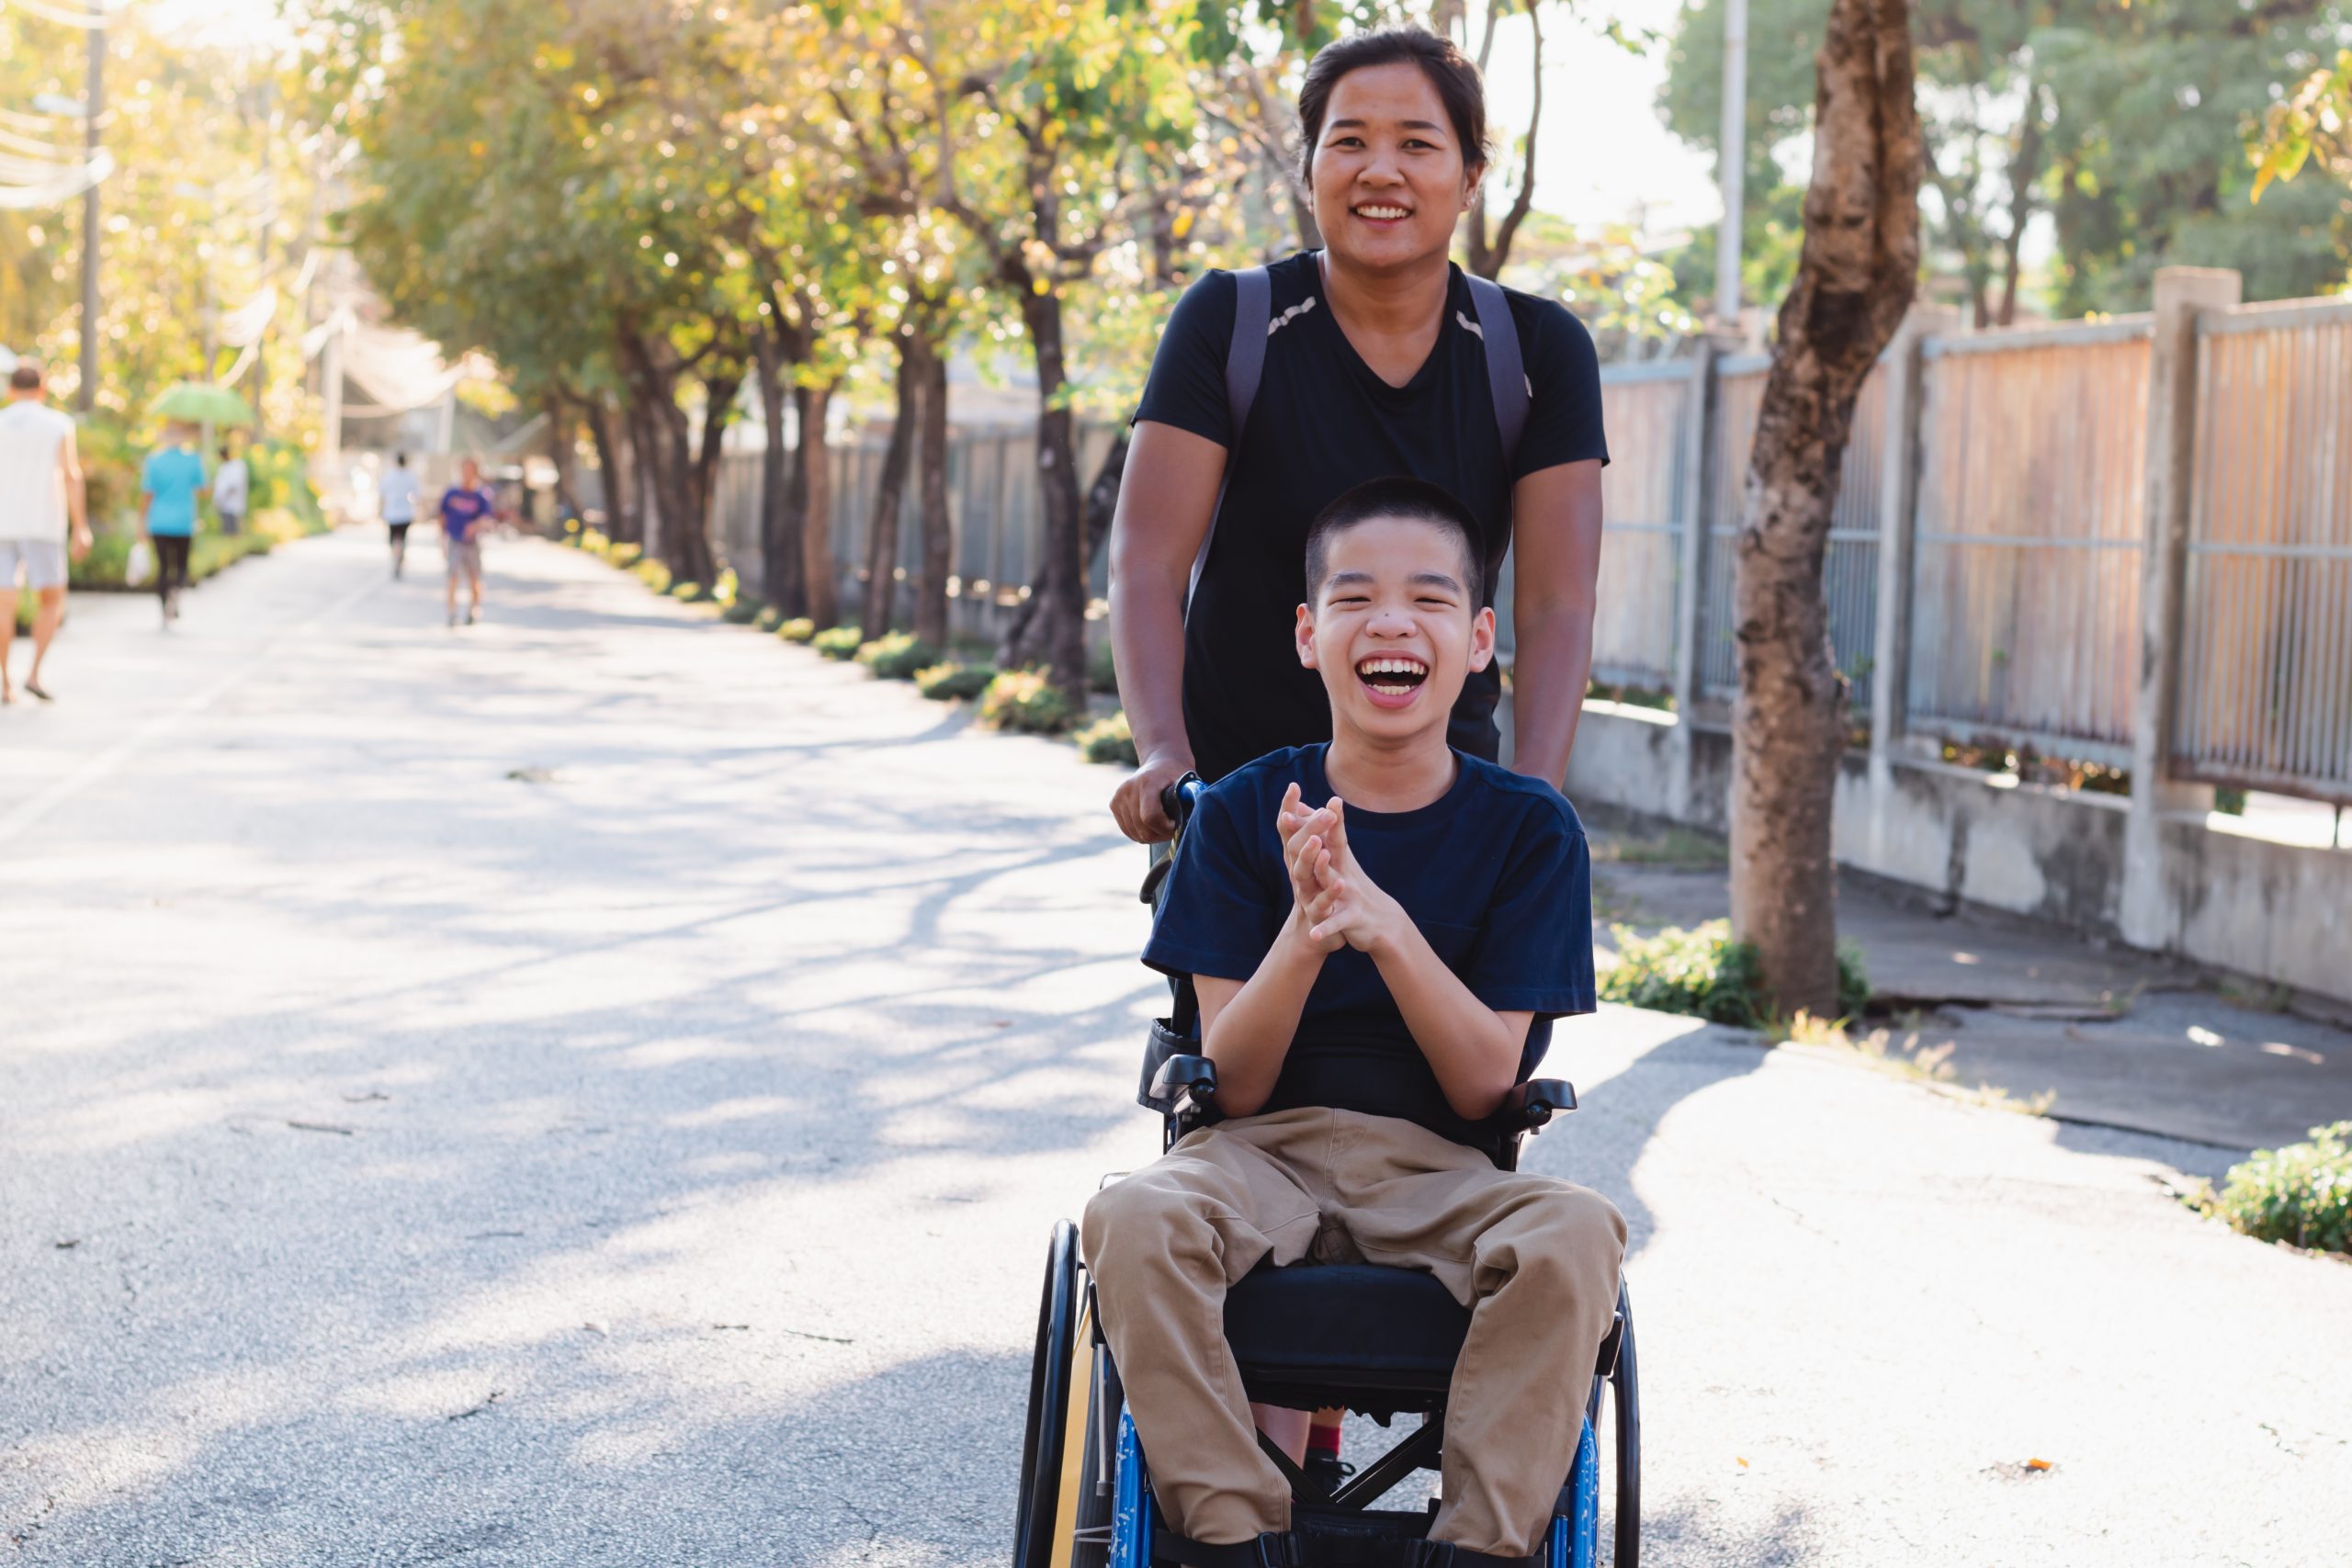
[[468, 509]]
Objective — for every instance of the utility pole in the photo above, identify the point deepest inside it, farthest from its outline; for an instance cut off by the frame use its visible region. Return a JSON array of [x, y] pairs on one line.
[[93, 105], [1731, 164]]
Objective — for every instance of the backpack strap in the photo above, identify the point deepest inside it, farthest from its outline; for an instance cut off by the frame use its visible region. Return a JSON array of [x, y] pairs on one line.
[[1245, 366], [1506, 372]]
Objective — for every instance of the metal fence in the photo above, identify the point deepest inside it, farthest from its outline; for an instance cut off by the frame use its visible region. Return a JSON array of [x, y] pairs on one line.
[[2265, 666], [1850, 568], [2026, 590], [1648, 496]]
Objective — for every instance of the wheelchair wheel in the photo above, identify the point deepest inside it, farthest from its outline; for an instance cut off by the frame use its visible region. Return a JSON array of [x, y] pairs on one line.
[[1063, 1517], [1624, 1397]]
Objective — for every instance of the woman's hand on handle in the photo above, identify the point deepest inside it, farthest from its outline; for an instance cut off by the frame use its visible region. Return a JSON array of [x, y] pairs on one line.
[[1136, 804]]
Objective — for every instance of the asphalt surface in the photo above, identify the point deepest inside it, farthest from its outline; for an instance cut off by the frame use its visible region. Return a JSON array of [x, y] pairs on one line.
[[592, 1089]]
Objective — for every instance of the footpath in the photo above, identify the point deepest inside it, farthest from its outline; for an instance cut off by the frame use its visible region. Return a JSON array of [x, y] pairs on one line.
[[2100, 1035]]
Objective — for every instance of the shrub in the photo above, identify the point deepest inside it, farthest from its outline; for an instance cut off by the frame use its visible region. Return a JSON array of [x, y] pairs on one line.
[[728, 589], [1704, 973], [951, 682], [767, 618], [897, 657], [653, 574], [690, 592], [624, 556], [594, 541], [1025, 701], [1102, 670], [801, 628], [841, 642], [2301, 1194], [744, 610], [1108, 741]]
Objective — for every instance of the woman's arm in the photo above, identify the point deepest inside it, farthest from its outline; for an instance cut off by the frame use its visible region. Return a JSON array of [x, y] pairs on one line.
[[1166, 499], [1556, 533]]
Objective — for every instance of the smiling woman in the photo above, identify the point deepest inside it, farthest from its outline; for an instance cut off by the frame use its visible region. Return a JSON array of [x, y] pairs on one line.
[[1375, 365]]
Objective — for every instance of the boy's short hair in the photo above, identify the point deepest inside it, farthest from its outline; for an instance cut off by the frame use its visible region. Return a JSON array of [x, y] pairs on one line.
[[27, 376], [1416, 501]]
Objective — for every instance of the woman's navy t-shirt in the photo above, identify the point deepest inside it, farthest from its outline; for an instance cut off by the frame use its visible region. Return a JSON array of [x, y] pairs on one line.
[[1323, 422], [1494, 873]]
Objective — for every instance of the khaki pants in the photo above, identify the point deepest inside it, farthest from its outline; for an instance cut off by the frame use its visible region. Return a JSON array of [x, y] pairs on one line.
[[1534, 1259]]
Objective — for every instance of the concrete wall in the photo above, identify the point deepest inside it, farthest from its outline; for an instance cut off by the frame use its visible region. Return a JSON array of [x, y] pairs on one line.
[[2279, 912]]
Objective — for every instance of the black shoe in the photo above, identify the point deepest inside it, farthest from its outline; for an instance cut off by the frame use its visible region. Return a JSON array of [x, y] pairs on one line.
[[1328, 1472]]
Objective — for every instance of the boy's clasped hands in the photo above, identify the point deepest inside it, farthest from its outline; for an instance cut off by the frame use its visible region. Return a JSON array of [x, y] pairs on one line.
[[1333, 902]]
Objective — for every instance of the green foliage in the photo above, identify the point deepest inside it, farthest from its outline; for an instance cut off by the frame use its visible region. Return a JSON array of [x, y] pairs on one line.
[[1108, 741], [653, 574], [691, 593], [800, 629], [1102, 670], [897, 657], [1026, 702], [840, 642], [767, 618], [951, 682], [2301, 1194], [1706, 973], [744, 611]]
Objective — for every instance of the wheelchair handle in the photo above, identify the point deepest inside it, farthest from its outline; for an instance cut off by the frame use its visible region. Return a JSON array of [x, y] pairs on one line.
[[1179, 799]]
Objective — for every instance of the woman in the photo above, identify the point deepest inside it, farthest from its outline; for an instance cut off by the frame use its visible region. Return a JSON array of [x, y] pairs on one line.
[[1374, 367], [169, 482]]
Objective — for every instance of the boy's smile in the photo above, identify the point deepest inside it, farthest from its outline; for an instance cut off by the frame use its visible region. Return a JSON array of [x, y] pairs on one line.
[[1393, 629]]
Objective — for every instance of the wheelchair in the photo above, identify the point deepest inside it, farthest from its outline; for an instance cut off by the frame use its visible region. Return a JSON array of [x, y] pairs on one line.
[[1378, 1341]]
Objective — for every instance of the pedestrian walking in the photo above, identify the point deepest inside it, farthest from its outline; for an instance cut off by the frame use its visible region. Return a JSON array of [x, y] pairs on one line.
[[468, 510], [43, 518], [169, 483], [232, 488], [396, 493]]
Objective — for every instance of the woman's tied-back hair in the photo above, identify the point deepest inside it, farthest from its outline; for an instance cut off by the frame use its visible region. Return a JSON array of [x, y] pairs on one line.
[[1448, 69], [1412, 500]]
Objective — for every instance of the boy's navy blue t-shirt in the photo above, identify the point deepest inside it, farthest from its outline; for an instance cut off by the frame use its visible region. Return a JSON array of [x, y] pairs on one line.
[[1494, 873]]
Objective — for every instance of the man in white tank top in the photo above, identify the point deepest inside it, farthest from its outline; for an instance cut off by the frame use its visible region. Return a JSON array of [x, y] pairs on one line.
[[42, 504]]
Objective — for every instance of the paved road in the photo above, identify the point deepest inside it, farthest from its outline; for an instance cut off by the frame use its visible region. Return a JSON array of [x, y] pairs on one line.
[[592, 1089]]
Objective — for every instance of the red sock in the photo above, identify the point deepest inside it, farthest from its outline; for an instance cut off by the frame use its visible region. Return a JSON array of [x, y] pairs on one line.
[[1322, 1439]]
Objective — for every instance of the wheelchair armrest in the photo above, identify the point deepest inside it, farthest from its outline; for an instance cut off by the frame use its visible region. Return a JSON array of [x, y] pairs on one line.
[[1184, 1083], [1536, 1101]]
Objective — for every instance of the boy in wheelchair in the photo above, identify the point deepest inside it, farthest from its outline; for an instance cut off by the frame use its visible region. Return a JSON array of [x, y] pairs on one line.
[[1378, 933]]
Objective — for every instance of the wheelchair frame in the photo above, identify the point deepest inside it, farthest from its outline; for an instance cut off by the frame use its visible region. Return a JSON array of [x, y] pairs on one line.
[[1085, 1498]]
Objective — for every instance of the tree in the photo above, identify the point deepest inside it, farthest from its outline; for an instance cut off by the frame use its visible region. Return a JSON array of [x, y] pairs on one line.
[[2119, 127], [1855, 279], [1047, 129]]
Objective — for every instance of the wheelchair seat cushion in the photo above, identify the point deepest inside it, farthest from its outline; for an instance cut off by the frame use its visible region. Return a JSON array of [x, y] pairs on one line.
[[1339, 1327]]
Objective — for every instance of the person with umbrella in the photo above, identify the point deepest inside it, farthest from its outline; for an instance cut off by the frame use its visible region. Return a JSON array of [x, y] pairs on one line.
[[169, 482]]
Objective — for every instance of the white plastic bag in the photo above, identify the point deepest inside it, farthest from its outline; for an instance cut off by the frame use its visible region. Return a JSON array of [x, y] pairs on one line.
[[140, 569]]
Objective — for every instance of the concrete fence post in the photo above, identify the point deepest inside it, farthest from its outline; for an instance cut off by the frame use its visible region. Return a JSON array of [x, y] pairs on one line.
[[1898, 526], [2146, 917], [1696, 499]]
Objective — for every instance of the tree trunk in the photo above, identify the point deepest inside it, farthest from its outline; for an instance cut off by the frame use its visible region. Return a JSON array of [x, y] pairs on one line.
[[931, 463], [1855, 280], [620, 519], [1055, 620], [779, 523], [812, 488], [718, 411], [882, 537], [563, 431]]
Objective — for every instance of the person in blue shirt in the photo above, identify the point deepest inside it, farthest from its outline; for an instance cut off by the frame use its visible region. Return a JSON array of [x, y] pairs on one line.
[[468, 509], [1379, 931], [169, 482]]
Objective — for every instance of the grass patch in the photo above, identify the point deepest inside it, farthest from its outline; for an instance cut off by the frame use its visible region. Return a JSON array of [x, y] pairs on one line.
[[1704, 973], [1026, 702], [951, 682], [1906, 1057], [1678, 847], [840, 642], [1108, 741], [897, 657], [2300, 1195]]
